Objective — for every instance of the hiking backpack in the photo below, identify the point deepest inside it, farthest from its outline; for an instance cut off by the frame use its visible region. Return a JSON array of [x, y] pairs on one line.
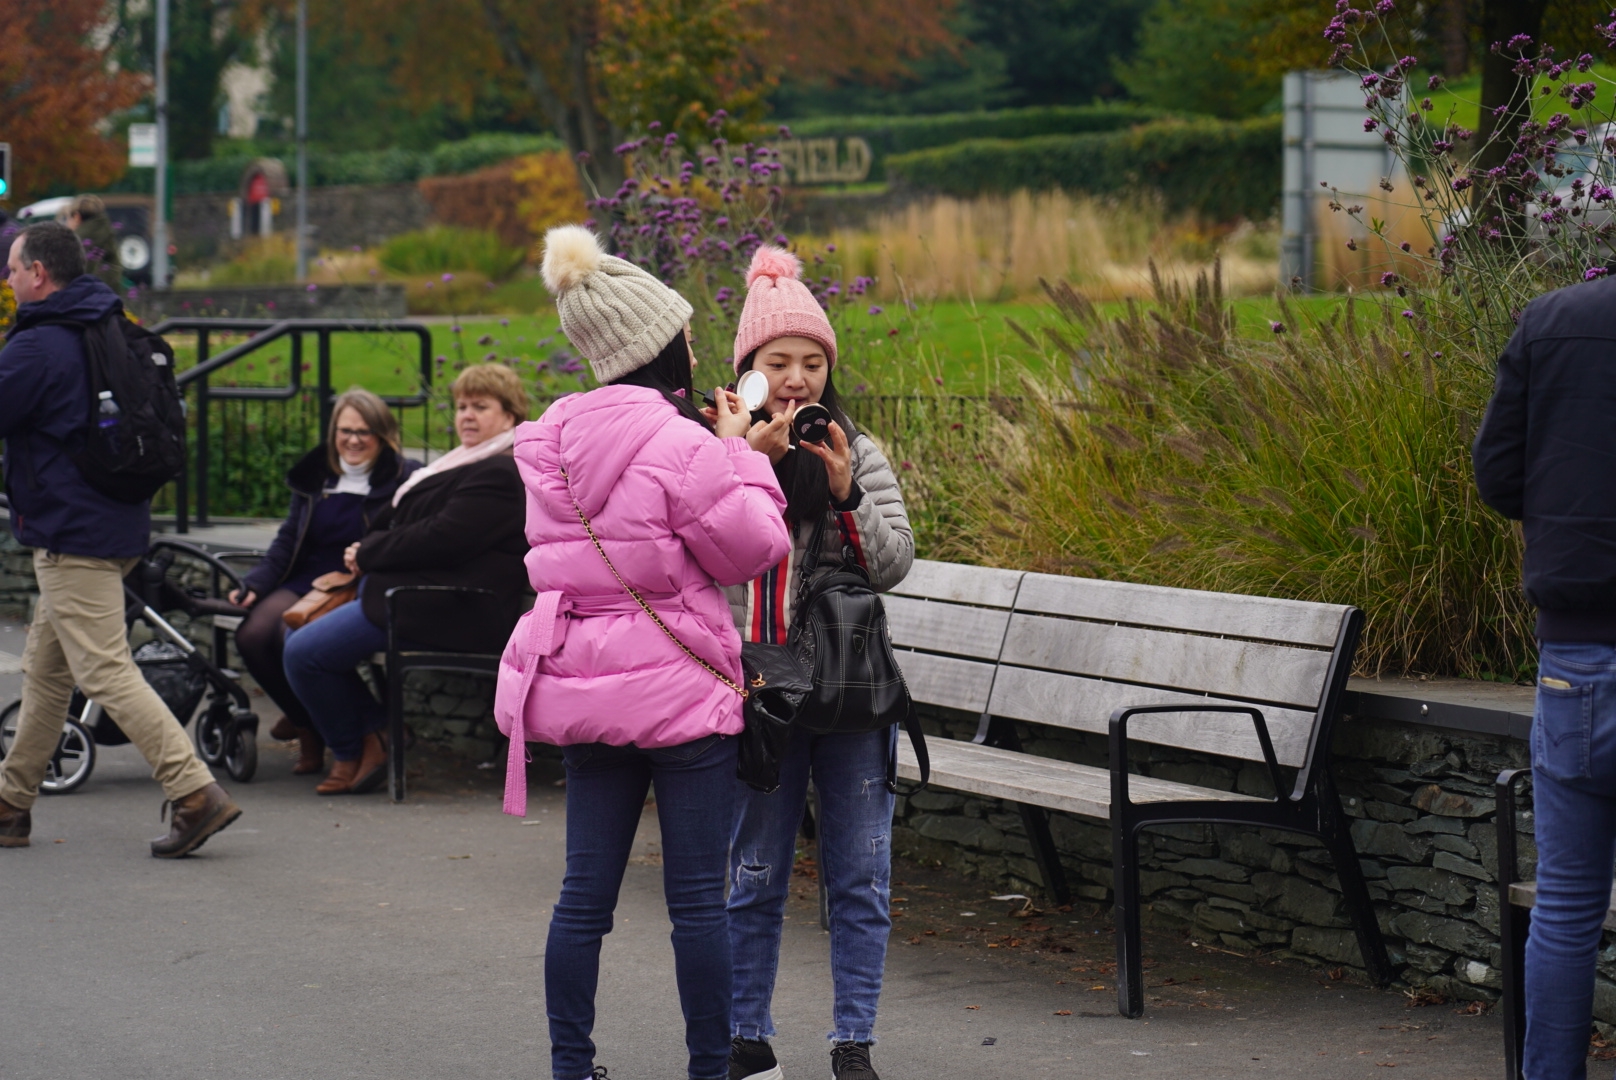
[[136, 438]]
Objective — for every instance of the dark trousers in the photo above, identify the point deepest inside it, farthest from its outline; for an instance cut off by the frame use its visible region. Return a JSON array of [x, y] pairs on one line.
[[261, 641], [695, 798]]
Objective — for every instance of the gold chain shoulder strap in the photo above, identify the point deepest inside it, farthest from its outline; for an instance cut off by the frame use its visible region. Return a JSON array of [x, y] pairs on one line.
[[588, 528]]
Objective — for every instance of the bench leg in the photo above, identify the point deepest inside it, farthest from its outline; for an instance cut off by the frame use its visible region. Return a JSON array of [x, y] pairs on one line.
[[395, 735], [1517, 923], [1355, 892], [1130, 955], [1035, 819]]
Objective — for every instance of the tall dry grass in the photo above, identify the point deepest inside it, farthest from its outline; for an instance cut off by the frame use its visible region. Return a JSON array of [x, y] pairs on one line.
[[1331, 465], [996, 247]]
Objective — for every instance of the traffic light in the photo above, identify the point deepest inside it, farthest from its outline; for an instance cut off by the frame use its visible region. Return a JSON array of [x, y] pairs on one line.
[[5, 171]]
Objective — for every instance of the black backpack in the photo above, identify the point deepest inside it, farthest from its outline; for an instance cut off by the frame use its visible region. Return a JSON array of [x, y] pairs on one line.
[[136, 438], [840, 634]]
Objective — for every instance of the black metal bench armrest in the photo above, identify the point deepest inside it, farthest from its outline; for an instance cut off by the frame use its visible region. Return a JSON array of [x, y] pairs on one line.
[[398, 594], [1119, 743], [1504, 825]]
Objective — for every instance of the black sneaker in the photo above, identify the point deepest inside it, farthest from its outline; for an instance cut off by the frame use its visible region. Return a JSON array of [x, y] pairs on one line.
[[752, 1059], [851, 1061]]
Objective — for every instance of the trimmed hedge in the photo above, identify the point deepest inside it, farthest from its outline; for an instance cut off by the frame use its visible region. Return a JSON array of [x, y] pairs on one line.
[[889, 135], [361, 167], [1221, 169]]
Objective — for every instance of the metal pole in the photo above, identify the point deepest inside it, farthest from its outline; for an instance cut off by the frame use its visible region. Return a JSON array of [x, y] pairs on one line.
[[160, 185], [302, 140]]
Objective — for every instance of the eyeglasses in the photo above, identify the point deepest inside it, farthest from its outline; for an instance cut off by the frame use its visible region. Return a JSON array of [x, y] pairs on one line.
[[354, 433]]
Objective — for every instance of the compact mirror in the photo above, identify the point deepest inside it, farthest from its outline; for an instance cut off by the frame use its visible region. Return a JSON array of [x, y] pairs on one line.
[[812, 423], [753, 389]]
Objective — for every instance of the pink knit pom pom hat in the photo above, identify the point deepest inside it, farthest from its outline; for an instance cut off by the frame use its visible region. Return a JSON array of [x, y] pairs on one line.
[[779, 305]]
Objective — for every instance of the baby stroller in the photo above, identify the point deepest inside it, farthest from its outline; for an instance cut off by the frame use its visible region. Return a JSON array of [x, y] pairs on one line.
[[173, 579]]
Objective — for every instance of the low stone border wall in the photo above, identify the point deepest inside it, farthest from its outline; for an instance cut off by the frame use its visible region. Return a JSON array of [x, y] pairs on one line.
[[1422, 805]]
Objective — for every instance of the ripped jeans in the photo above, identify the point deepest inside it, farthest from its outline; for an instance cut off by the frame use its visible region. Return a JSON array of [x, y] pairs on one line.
[[855, 844]]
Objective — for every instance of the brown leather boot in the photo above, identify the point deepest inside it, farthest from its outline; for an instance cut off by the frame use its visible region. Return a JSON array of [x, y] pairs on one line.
[[339, 779], [372, 772], [193, 819], [284, 730], [15, 825], [311, 752]]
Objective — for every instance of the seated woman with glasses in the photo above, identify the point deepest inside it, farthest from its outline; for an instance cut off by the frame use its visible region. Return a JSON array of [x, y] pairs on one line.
[[339, 490], [456, 522]]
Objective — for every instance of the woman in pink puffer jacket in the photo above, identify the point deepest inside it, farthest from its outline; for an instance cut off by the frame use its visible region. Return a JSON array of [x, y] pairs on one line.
[[678, 513]]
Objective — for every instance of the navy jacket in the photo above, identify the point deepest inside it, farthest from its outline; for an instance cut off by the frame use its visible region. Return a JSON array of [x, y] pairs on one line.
[[286, 558], [1546, 456], [44, 416]]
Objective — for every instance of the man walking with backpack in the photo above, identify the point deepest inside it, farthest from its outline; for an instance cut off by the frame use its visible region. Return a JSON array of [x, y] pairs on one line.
[[84, 542]]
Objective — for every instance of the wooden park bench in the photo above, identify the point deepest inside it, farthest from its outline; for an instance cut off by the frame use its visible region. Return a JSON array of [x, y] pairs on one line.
[[1242, 677]]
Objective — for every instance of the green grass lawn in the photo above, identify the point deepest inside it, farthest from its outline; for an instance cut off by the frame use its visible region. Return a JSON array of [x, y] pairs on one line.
[[971, 347]]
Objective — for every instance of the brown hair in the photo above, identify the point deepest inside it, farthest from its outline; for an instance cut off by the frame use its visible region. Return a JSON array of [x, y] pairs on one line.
[[88, 206], [496, 381], [376, 415]]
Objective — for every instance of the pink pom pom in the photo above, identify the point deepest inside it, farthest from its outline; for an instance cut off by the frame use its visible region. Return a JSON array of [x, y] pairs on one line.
[[773, 262]]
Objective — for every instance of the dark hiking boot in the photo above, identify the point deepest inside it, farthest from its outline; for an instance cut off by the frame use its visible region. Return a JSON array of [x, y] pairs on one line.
[[851, 1061], [193, 819], [752, 1059], [15, 825]]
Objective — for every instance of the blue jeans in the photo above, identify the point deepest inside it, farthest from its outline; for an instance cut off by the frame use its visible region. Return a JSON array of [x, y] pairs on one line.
[[606, 787], [1574, 798], [320, 660], [855, 855]]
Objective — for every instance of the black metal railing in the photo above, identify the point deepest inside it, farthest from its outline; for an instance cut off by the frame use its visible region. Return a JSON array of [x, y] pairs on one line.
[[204, 459]]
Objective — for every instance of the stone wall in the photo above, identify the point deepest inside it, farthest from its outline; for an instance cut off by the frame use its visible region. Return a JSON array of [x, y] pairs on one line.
[[339, 216], [1422, 809]]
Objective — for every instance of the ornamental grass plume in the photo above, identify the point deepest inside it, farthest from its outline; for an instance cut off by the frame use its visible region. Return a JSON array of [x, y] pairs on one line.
[[1329, 464]]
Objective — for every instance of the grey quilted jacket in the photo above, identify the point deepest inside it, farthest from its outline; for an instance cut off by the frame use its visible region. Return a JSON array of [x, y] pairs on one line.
[[876, 531]]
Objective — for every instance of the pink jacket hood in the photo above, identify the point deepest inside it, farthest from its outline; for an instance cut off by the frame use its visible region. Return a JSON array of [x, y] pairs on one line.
[[680, 514]]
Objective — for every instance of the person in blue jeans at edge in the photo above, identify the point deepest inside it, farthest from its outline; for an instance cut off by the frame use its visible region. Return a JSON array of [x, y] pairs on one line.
[[846, 486], [1545, 455]]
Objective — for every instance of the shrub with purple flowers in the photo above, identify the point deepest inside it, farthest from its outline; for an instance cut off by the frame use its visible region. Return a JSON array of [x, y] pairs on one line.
[[1523, 208]]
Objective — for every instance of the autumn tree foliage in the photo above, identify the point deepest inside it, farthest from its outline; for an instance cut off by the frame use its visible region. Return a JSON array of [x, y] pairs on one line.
[[56, 92], [599, 70]]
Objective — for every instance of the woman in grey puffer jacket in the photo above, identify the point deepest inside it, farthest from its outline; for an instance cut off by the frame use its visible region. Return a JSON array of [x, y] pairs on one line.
[[847, 484]]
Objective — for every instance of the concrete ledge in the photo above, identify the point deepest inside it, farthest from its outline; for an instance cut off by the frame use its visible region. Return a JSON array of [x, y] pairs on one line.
[[1456, 704]]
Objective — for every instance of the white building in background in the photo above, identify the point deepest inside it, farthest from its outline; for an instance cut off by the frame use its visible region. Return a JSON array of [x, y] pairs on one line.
[[246, 89]]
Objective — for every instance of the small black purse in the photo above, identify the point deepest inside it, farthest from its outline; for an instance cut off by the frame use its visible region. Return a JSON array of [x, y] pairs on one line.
[[777, 683]]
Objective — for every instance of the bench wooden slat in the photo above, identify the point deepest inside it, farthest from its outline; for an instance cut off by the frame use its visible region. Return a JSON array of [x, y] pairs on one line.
[[1222, 666], [1056, 785], [987, 586], [947, 628], [1524, 894], [946, 681], [1070, 701], [1260, 617]]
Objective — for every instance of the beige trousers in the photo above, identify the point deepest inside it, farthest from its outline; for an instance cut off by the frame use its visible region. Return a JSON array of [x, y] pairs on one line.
[[79, 638]]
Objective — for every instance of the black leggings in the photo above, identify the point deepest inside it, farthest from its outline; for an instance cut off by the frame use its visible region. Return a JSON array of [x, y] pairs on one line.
[[261, 639]]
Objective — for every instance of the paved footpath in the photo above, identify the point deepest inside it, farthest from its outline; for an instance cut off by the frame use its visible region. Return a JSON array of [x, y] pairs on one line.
[[350, 938]]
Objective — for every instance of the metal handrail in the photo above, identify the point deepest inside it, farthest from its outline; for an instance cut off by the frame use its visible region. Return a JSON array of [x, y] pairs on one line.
[[266, 332]]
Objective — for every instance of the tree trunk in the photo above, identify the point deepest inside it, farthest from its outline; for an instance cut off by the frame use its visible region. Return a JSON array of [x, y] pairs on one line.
[[1506, 100], [1455, 39], [574, 115]]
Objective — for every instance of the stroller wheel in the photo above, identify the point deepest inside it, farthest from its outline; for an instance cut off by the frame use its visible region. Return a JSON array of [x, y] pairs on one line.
[[241, 747], [73, 761], [213, 735]]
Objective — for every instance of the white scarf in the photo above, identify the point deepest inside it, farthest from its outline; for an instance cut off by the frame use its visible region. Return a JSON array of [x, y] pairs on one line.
[[355, 479], [460, 455]]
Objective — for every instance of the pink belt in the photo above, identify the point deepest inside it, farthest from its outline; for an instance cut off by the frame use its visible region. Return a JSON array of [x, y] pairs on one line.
[[546, 631]]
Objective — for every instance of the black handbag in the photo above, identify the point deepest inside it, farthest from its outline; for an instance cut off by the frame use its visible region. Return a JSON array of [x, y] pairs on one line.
[[839, 639], [777, 682]]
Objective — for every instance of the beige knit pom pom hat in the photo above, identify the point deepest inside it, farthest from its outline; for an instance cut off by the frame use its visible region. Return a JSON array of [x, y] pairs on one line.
[[618, 315]]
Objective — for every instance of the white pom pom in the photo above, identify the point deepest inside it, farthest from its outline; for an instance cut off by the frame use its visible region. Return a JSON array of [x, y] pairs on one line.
[[571, 253]]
